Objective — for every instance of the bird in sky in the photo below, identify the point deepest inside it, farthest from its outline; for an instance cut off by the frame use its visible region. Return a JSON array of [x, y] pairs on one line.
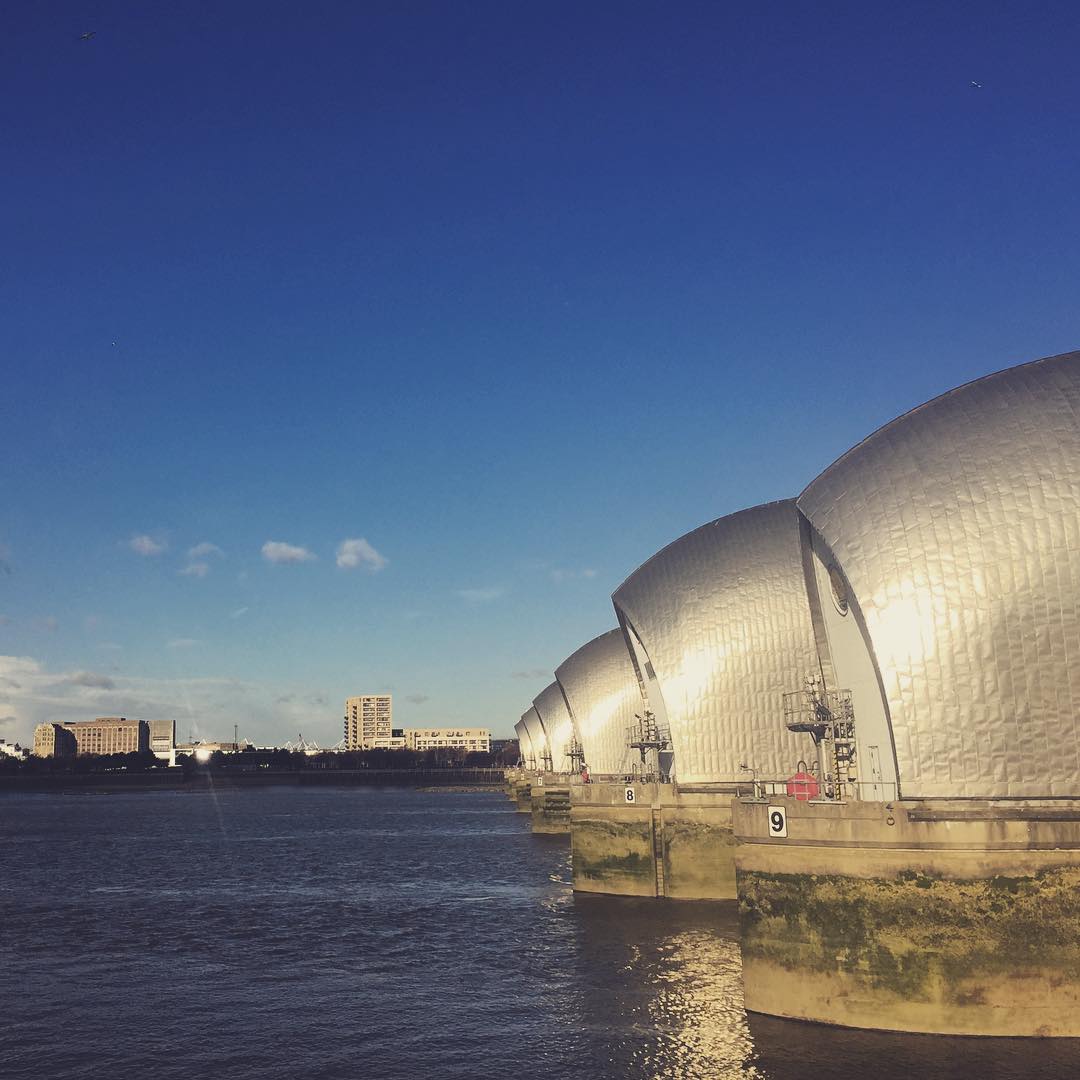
[[977, 85], [88, 35]]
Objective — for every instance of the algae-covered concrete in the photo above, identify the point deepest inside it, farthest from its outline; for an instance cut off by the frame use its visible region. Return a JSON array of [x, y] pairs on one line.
[[652, 840], [550, 797], [956, 918], [523, 795]]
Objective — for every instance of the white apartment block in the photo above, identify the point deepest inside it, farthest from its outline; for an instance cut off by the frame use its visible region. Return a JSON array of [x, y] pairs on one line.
[[468, 739], [369, 722]]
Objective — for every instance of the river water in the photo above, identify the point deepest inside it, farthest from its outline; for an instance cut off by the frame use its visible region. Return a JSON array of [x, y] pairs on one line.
[[381, 934]]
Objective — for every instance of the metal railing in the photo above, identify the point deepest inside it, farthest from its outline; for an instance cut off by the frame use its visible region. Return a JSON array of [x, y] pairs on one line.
[[759, 790]]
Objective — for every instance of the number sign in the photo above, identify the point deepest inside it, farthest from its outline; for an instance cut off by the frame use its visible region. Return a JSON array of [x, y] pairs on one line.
[[777, 821], [629, 794]]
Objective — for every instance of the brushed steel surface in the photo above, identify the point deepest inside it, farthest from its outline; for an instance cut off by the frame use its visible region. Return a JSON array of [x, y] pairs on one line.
[[603, 694], [525, 749], [958, 528], [555, 716], [723, 616], [537, 737]]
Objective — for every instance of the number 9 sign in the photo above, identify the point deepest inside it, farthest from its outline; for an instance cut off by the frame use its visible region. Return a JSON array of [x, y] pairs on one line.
[[777, 821]]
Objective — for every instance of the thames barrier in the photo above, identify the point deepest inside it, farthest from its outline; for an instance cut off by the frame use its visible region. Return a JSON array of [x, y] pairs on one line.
[[856, 713]]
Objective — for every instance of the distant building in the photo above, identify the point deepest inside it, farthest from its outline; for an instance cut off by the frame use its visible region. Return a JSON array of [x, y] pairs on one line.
[[369, 722], [109, 735], [468, 739], [203, 751], [13, 750], [54, 740], [163, 739]]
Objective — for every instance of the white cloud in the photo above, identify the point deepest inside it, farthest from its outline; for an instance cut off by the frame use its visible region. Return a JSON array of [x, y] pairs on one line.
[[142, 544], [184, 643], [90, 679], [353, 553], [206, 707], [195, 569], [201, 551], [276, 551], [481, 596], [239, 613]]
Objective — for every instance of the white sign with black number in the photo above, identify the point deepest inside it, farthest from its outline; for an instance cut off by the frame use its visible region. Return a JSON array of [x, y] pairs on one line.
[[629, 794], [777, 821]]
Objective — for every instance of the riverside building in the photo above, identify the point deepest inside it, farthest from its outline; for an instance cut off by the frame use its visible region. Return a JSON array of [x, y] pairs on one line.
[[53, 740], [105, 735], [468, 739], [369, 722]]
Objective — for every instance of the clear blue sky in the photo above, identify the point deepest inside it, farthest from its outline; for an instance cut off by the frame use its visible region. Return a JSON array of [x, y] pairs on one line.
[[515, 293]]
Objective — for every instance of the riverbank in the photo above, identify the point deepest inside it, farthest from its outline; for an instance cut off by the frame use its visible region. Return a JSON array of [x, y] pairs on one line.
[[470, 780]]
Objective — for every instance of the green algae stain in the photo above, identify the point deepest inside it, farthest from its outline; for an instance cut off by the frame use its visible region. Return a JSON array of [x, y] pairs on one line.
[[914, 934]]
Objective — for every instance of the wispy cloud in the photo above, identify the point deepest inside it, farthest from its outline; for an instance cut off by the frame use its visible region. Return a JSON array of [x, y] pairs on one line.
[[358, 552], [90, 679], [417, 699], [184, 643], [239, 613], [532, 673], [197, 565], [277, 551], [560, 575], [8, 721], [206, 707], [203, 550], [144, 544], [481, 596]]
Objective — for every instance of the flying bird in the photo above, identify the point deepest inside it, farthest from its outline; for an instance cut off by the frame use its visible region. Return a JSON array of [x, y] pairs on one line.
[[977, 85], [88, 35]]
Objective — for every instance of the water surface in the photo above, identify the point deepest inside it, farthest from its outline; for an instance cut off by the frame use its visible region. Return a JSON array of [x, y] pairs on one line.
[[340, 933]]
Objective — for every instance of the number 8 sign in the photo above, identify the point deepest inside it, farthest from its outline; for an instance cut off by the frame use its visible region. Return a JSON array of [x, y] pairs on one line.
[[777, 821]]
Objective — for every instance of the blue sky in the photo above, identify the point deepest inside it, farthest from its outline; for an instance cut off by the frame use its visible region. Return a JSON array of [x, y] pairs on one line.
[[514, 293]]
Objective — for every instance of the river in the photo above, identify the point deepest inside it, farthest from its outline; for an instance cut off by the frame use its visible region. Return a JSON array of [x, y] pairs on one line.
[[391, 934]]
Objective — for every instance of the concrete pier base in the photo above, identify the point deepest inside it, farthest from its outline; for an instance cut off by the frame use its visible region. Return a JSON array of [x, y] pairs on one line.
[[523, 795], [948, 917], [550, 797], [652, 840]]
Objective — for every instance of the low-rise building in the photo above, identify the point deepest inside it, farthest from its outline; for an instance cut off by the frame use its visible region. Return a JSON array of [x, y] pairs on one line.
[[13, 750], [109, 735], [54, 740], [468, 739], [163, 739]]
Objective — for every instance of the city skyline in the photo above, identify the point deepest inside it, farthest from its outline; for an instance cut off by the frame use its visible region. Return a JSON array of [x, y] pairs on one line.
[[379, 367]]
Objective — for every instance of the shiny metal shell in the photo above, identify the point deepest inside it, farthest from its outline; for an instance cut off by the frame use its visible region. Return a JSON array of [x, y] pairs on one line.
[[957, 527], [602, 691], [723, 615], [555, 716], [537, 738], [525, 750]]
